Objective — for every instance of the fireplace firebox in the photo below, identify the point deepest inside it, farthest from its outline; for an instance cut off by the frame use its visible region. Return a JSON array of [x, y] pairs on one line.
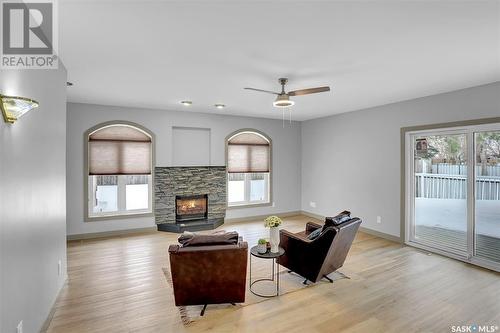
[[191, 207]]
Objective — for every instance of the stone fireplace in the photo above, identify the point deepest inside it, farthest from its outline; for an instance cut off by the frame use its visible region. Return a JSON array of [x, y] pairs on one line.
[[190, 198]]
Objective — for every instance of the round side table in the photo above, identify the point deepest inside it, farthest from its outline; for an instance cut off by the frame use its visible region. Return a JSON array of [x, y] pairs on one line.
[[273, 257]]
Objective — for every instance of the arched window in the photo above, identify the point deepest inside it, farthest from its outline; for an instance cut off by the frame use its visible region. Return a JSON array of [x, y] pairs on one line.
[[119, 163], [249, 168]]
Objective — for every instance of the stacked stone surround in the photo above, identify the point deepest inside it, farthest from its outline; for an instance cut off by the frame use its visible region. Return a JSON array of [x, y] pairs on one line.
[[173, 181]]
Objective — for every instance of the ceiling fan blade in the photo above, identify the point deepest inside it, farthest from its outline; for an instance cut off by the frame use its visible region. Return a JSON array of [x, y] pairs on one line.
[[261, 90], [308, 91]]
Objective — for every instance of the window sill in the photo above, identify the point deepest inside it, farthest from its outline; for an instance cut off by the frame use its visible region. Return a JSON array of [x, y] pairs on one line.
[[117, 217], [250, 205]]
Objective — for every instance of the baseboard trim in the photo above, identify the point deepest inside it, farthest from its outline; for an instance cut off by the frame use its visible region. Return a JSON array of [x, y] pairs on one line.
[[111, 233], [312, 215], [383, 235], [260, 217], [52, 311], [379, 234]]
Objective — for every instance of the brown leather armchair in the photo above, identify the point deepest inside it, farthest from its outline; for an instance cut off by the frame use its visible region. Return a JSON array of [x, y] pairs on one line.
[[315, 259], [211, 274]]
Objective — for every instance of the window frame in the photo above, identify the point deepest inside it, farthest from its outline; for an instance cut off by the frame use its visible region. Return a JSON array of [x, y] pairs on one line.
[[121, 199], [248, 204], [247, 194], [87, 179]]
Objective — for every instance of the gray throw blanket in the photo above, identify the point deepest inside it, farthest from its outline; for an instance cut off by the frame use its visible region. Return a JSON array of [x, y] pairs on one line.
[[191, 239]]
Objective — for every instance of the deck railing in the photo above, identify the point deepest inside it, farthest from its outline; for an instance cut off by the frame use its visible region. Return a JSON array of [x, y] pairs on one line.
[[446, 186], [458, 169]]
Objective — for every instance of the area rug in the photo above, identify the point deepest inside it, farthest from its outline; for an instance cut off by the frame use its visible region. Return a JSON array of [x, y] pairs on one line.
[[289, 283]]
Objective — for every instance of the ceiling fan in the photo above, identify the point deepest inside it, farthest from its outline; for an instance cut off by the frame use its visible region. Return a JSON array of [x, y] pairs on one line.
[[283, 98]]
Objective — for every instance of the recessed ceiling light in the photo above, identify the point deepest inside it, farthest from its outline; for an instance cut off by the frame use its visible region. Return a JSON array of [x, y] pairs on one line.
[[220, 106], [186, 103]]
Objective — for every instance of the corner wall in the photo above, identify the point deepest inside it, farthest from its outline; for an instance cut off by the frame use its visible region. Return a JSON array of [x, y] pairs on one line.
[[32, 199], [352, 160], [285, 157]]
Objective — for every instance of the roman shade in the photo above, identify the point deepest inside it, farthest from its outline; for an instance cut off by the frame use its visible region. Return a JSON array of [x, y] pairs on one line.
[[119, 150], [248, 152]]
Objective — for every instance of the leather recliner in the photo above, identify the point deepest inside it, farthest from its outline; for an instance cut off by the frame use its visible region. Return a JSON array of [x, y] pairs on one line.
[[315, 259], [209, 274]]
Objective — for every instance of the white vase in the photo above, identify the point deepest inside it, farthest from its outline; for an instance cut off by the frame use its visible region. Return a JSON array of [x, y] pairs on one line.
[[274, 239]]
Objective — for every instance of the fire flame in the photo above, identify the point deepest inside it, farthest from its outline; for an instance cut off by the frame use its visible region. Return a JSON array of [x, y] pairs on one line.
[[185, 206]]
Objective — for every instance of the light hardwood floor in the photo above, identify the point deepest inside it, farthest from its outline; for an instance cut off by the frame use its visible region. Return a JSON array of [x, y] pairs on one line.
[[117, 285]]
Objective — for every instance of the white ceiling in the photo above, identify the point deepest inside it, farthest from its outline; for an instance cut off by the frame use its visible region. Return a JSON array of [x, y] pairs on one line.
[[154, 54]]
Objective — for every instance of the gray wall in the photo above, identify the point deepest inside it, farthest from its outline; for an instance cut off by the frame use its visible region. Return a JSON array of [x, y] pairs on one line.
[[184, 153], [352, 160], [286, 156], [32, 199]]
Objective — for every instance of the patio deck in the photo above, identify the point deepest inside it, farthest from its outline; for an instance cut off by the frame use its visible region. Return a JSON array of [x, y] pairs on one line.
[[445, 221], [486, 247]]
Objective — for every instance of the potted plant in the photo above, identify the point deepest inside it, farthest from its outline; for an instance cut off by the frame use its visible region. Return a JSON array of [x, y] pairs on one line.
[[262, 246], [273, 222]]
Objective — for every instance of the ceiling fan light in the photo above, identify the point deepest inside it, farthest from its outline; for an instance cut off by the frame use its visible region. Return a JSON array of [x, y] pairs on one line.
[[283, 101]]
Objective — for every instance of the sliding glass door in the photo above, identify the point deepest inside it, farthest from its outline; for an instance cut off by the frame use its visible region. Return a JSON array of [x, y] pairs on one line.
[[487, 203], [453, 192], [440, 191]]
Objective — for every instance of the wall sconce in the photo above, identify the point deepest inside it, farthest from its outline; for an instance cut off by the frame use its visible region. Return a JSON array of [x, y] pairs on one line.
[[14, 107]]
